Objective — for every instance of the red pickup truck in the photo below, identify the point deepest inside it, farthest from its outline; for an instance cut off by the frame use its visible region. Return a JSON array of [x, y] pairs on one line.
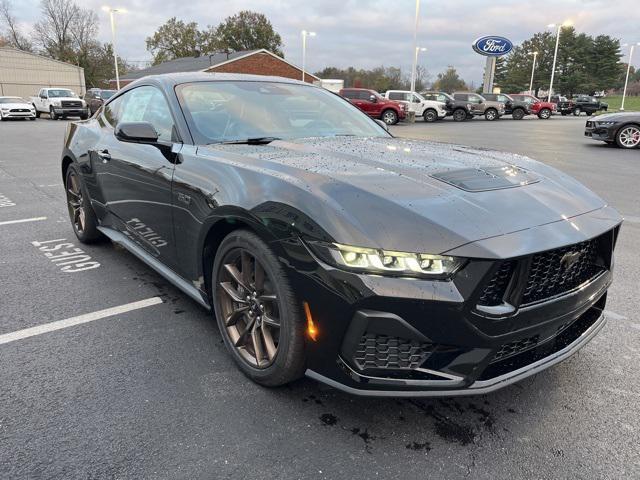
[[542, 109], [375, 105]]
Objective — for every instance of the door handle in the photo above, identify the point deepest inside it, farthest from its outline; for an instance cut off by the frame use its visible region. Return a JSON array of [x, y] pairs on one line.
[[104, 155]]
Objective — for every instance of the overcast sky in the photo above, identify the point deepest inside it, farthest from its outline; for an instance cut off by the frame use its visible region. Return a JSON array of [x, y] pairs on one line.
[[369, 33]]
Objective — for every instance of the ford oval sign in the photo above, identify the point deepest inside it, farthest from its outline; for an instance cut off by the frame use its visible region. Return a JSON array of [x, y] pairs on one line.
[[492, 46]]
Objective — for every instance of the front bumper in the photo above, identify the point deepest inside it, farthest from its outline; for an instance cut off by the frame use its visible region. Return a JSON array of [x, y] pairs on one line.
[[384, 336], [71, 112], [28, 114], [595, 132]]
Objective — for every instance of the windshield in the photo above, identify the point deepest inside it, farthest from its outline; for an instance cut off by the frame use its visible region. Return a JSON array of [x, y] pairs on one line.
[[12, 100], [61, 93], [107, 94], [237, 111]]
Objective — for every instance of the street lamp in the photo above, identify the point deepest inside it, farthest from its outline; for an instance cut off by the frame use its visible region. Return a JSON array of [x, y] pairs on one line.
[[533, 71], [626, 81], [567, 23], [414, 74], [113, 37], [415, 48], [305, 34]]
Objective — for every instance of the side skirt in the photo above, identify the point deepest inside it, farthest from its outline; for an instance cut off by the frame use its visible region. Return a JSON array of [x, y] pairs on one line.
[[158, 266]]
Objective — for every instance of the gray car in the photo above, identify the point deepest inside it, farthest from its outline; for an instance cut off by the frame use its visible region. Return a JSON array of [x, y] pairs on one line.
[[481, 106]]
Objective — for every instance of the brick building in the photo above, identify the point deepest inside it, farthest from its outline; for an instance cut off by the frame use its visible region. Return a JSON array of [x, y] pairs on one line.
[[258, 62]]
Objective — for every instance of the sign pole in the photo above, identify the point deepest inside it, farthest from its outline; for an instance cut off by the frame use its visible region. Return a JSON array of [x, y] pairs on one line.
[[489, 75]]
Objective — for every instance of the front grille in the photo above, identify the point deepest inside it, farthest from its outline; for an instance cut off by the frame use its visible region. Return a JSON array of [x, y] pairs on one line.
[[548, 274], [494, 291], [19, 110], [381, 351], [514, 348], [561, 270], [71, 104]]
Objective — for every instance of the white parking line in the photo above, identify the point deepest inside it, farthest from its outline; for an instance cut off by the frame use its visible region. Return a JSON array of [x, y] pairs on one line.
[[24, 220], [80, 319]]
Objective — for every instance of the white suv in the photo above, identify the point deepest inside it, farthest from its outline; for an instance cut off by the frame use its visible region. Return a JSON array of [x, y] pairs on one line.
[[427, 109]]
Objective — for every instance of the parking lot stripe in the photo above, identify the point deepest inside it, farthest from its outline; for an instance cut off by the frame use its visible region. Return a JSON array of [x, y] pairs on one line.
[[24, 220], [80, 319]]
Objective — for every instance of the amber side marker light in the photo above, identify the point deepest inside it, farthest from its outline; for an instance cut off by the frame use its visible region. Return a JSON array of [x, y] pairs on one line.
[[312, 331]]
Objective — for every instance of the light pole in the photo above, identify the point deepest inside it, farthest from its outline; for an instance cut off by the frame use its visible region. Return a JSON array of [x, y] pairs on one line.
[[555, 55], [414, 75], [415, 48], [626, 81], [112, 11], [533, 71], [305, 34]]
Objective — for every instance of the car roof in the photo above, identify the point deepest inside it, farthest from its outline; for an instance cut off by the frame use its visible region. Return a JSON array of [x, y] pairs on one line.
[[172, 79]]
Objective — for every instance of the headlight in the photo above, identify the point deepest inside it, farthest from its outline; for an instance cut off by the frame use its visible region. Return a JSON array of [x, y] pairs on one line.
[[605, 124], [56, 103], [387, 262]]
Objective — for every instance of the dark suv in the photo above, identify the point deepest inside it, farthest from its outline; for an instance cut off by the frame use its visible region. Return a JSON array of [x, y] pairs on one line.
[[96, 97], [516, 108], [459, 110], [375, 105]]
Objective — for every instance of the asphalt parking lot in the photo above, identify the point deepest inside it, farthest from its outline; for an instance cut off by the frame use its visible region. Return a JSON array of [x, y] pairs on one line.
[[151, 392]]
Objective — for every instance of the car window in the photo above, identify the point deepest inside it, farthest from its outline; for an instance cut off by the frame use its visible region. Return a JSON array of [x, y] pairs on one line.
[[502, 98], [415, 99], [365, 95], [397, 96], [57, 93], [112, 111], [222, 111], [460, 96], [474, 98], [147, 104], [349, 94], [442, 98]]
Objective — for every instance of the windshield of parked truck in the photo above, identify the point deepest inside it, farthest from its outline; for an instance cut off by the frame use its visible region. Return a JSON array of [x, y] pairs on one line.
[[57, 93], [228, 111]]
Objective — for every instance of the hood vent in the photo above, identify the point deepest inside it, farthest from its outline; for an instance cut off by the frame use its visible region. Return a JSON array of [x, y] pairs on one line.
[[482, 179]]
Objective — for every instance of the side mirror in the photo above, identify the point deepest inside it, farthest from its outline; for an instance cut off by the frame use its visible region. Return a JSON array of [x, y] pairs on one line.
[[382, 124], [373, 98], [136, 132], [43, 96]]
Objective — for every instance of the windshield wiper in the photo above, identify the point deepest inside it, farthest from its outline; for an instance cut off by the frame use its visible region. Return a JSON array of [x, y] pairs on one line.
[[250, 141]]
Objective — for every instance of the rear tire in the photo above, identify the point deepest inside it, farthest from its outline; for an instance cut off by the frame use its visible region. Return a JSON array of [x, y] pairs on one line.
[[628, 137], [390, 117], [491, 114], [459, 115], [430, 115], [238, 306], [83, 218], [518, 114], [544, 114]]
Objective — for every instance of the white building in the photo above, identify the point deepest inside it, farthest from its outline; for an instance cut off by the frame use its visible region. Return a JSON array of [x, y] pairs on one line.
[[23, 74]]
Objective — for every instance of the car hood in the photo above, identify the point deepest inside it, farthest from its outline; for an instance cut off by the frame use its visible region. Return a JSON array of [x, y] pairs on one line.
[[620, 116], [15, 105], [416, 195]]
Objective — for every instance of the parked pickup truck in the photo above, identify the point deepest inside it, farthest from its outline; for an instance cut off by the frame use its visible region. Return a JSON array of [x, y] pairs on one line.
[[516, 108], [588, 105], [480, 105], [427, 109], [538, 107], [459, 110], [563, 104], [59, 103], [375, 105]]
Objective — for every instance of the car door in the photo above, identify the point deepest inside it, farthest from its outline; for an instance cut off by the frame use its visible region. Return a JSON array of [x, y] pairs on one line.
[[135, 179], [370, 107]]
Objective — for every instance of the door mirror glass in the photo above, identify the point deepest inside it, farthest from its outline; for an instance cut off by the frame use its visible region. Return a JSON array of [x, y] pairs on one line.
[[136, 132]]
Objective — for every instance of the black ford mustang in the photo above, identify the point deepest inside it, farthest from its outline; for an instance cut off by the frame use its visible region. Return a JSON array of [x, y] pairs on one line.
[[622, 128], [325, 246]]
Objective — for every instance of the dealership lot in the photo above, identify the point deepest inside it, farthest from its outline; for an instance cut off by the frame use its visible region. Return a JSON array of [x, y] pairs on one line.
[[150, 392]]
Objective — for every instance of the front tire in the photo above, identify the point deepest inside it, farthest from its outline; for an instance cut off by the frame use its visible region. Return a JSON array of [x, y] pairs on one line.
[[491, 114], [83, 218], [390, 117], [430, 116], [52, 114], [577, 111], [628, 137], [544, 114], [258, 314]]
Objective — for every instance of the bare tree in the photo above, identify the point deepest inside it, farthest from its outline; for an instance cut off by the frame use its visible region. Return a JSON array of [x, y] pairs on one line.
[[54, 32], [11, 33]]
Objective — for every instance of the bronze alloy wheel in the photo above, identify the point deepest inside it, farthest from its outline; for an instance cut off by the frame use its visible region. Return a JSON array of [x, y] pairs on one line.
[[75, 203], [250, 309]]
